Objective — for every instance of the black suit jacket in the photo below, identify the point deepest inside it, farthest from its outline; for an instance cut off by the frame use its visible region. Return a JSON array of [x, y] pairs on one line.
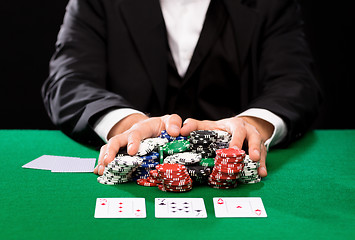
[[112, 54]]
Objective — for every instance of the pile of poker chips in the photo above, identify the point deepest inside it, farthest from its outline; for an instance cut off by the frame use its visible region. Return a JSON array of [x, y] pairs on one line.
[[249, 174], [174, 178], [119, 170], [228, 165], [203, 142], [179, 152]]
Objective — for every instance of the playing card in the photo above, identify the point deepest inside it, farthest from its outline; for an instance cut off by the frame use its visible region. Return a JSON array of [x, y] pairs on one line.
[[120, 208], [238, 207], [180, 208], [62, 164]]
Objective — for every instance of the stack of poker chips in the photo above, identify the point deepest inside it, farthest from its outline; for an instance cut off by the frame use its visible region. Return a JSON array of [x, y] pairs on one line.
[[174, 178], [249, 174], [184, 158], [203, 142], [228, 165], [149, 162], [119, 170], [199, 174], [223, 139]]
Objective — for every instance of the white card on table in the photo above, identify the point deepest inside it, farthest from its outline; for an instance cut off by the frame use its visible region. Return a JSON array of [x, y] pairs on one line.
[[120, 208], [180, 208], [225, 207], [62, 164]]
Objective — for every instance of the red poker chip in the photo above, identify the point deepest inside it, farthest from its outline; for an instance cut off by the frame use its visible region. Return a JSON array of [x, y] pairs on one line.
[[167, 177], [223, 183], [175, 175], [228, 159], [178, 183], [226, 171], [170, 167], [178, 187], [225, 167], [230, 152], [146, 183], [154, 173], [162, 188], [219, 177], [228, 165], [153, 180]]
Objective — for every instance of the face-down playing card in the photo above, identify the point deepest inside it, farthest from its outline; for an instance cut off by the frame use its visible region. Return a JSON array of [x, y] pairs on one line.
[[180, 208], [120, 208]]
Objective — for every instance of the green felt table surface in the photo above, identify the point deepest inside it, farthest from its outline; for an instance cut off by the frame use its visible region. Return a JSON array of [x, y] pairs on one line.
[[308, 194]]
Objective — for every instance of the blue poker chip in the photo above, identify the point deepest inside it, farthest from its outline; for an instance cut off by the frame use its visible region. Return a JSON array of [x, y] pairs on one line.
[[149, 165], [151, 156], [181, 138]]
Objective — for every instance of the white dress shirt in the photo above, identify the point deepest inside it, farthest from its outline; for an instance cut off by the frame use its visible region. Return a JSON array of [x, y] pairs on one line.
[[184, 21]]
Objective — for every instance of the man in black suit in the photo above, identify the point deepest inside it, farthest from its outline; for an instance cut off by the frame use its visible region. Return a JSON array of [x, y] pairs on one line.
[[125, 70]]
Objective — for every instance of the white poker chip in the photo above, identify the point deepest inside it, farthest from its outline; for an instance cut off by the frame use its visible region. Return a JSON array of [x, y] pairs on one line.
[[128, 160], [146, 146], [223, 135], [184, 158], [157, 142]]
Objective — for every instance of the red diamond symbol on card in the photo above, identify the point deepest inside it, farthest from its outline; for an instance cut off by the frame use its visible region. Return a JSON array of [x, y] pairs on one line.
[[103, 203], [239, 206], [138, 210]]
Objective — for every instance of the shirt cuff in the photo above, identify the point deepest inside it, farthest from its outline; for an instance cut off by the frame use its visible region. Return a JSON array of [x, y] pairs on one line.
[[105, 123], [280, 128]]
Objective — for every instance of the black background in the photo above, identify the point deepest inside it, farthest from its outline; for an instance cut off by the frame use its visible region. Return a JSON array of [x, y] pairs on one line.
[[29, 30]]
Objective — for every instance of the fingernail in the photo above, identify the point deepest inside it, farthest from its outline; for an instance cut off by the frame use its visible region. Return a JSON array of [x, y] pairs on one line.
[[262, 169], [257, 152], [105, 156]]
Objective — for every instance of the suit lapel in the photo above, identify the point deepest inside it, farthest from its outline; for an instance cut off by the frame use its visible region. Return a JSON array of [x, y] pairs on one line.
[[146, 25], [244, 21]]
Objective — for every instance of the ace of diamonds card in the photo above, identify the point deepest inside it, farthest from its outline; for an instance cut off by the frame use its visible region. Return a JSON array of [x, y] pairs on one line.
[[225, 207]]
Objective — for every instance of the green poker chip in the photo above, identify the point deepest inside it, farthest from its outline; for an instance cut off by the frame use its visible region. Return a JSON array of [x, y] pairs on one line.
[[176, 146]]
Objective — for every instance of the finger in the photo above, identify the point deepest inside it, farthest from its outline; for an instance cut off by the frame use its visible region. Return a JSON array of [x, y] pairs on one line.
[[239, 133], [101, 157], [134, 138], [189, 125], [254, 142], [262, 169], [113, 146], [173, 124]]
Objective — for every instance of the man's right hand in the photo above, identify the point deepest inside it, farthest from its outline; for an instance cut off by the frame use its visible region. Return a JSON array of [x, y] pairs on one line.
[[130, 131]]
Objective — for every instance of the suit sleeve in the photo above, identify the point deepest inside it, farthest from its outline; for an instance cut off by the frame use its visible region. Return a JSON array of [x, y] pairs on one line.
[[74, 93], [286, 79]]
